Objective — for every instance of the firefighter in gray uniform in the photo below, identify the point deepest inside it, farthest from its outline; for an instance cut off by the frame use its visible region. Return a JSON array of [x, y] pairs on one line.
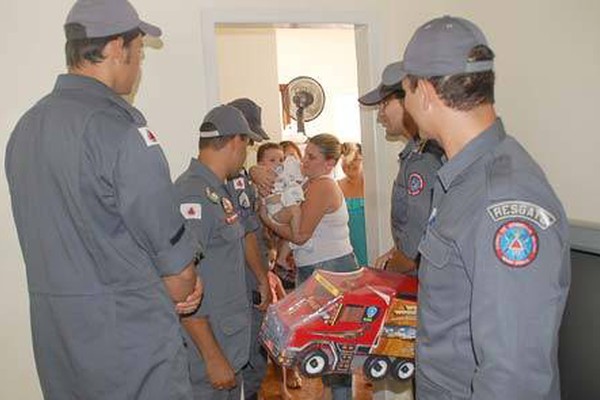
[[495, 267], [412, 189], [219, 332], [95, 213], [259, 293]]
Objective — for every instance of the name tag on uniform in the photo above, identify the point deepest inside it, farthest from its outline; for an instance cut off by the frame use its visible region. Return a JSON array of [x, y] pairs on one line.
[[149, 137], [191, 210]]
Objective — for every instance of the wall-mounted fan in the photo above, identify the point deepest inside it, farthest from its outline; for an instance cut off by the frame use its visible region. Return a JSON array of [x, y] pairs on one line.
[[303, 100]]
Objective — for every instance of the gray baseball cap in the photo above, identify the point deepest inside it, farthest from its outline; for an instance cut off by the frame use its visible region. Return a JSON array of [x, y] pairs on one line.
[[252, 112], [441, 47], [382, 90], [226, 121], [101, 18]]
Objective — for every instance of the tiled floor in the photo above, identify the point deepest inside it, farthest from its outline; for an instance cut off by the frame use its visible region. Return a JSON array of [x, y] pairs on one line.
[[311, 388]]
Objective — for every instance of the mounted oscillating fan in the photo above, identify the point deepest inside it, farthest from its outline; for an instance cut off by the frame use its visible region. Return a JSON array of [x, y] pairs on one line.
[[304, 99]]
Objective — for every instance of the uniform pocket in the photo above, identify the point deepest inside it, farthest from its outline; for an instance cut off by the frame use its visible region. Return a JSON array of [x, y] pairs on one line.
[[234, 338], [231, 232], [435, 249], [441, 277]]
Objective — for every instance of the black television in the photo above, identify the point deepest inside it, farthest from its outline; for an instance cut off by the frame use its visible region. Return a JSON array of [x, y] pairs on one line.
[[579, 340]]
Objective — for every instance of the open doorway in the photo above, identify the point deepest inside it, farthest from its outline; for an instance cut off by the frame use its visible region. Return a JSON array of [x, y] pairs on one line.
[[367, 51], [259, 61], [253, 60]]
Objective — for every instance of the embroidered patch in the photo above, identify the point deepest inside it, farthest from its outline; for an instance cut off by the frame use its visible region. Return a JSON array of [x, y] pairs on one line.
[[516, 244], [244, 200], [416, 184], [227, 205], [212, 196], [239, 184], [522, 209], [191, 210], [149, 137]]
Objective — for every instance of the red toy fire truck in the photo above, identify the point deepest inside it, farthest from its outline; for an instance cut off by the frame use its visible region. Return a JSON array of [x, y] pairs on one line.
[[338, 322]]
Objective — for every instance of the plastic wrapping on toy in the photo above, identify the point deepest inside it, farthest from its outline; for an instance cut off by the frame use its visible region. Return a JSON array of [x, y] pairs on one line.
[[343, 320]]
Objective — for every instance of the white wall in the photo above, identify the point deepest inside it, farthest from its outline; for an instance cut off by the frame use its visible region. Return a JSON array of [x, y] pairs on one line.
[[548, 58], [248, 68]]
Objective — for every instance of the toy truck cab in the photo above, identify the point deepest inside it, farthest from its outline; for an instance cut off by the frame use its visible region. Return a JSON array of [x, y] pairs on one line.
[[337, 322]]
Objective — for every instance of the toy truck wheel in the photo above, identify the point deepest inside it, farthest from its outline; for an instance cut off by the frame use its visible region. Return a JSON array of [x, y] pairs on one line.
[[404, 369], [376, 367], [314, 364]]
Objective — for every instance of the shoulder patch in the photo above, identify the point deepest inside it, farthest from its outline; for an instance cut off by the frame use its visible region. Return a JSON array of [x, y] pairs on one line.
[[415, 184], [524, 210], [516, 244], [191, 210], [149, 137]]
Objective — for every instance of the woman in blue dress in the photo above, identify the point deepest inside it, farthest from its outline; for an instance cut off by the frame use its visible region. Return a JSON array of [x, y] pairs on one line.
[[352, 186]]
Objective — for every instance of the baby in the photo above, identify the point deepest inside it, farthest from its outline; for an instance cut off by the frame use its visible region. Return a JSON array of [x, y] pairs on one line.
[[287, 192], [287, 189]]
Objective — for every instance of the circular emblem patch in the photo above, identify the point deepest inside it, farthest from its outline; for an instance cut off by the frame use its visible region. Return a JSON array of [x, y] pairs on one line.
[[416, 184], [516, 244]]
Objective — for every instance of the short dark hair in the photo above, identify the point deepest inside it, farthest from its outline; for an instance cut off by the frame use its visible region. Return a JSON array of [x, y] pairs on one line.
[[465, 91], [263, 148], [215, 143], [77, 51]]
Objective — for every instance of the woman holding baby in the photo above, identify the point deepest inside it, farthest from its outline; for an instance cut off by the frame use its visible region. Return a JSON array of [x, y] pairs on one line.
[[318, 227]]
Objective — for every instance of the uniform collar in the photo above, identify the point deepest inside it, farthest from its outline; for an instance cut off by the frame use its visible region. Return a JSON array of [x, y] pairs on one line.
[[95, 87], [476, 148], [202, 170], [411, 145]]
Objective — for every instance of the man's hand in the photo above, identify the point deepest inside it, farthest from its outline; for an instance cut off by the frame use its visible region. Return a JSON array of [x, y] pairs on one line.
[[396, 261], [382, 260], [192, 302], [263, 178], [220, 374], [266, 297]]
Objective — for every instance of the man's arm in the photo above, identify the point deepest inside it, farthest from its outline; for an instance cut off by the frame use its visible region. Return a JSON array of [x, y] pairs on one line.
[[185, 289], [255, 264], [143, 188], [220, 373], [520, 285]]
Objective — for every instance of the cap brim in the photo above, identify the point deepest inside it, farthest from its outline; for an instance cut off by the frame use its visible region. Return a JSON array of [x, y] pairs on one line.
[[393, 74], [373, 97], [252, 135], [260, 132], [149, 29]]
